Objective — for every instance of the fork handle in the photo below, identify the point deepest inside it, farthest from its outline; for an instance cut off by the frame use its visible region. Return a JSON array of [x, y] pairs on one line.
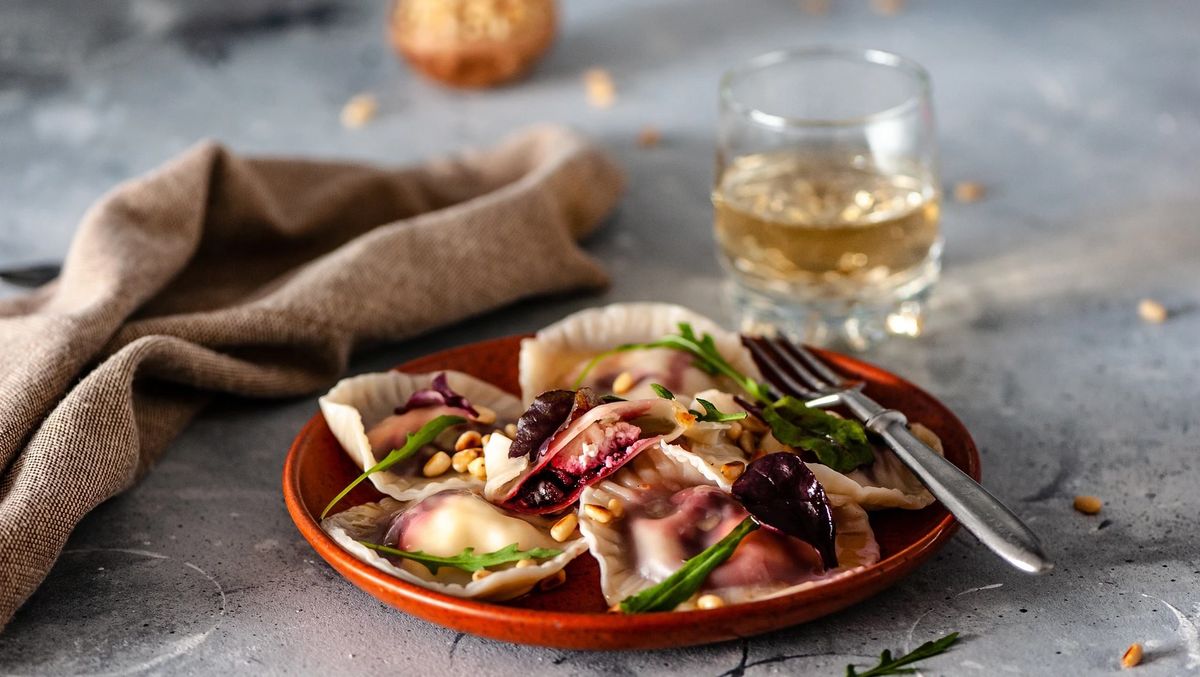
[[981, 513]]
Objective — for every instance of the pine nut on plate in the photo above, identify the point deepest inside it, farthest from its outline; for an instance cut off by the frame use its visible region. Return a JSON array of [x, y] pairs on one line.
[[437, 464], [564, 527]]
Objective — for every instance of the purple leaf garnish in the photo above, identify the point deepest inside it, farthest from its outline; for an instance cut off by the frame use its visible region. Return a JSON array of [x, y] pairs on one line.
[[549, 412], [784, 495], [439, 394]]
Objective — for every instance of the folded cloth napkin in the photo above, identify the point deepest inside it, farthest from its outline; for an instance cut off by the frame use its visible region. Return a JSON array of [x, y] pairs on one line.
[[224, 274]]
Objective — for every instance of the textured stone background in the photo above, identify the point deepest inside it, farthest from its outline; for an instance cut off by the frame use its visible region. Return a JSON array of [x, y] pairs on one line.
[[1080, 117]]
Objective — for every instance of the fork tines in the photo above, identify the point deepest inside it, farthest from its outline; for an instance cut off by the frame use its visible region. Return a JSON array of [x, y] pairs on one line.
[[792, 369]]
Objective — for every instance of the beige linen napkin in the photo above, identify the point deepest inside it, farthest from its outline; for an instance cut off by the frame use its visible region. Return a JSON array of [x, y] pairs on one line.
[[218, 273]]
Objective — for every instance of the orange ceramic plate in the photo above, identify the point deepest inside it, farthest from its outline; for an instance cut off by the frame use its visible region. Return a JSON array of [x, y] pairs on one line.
[[574, 615]]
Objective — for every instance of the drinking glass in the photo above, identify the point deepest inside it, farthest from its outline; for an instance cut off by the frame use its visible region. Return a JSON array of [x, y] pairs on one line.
[[827, 196]]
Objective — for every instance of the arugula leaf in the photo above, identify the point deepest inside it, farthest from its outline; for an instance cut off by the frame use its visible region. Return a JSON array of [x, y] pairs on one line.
[[838, 443], [703, 348], [684, 583], [467, 560], [662, 391], [895, 666], [412, 444], [713, 415]]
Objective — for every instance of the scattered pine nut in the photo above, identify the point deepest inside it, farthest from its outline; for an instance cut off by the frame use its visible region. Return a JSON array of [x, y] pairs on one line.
[[480, 575], [554, 580], [927, 436], [359, 110], [747, 443], [752, 424], [1132, 655], [598, 513], [1152, 311], [478, 468], [649, 137], [969, 191], [887, 7], [616, 507], [468, 440], [510, 431], [815, 7], [525, 563], [709, 602], [733, 470], [485, 439], [437, 464], [1088, 505], [461, 461], [598, 84], [623, 383], [735, 431], [486, 416], [564, 528]]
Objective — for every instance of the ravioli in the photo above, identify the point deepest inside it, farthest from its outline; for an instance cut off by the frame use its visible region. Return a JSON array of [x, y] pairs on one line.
[[445, 524]]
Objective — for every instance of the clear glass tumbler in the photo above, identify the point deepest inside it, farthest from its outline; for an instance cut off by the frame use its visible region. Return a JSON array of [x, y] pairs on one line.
[[827, 195]]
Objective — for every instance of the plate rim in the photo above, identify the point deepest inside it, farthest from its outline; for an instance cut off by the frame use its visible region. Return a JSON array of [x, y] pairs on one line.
[[508, 620]]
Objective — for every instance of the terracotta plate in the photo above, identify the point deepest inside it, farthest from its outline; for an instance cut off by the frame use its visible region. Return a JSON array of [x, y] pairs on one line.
[[574, 615]]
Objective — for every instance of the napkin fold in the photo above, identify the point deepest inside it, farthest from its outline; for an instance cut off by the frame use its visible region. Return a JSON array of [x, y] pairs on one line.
[[224, 274]]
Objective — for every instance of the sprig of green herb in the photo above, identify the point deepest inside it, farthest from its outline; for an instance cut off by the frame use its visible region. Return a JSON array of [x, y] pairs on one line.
[[838, 443], [713, 415], [895, 666], [467, 560], [684, 583], [710, 414], [412, 444], [703, 348]]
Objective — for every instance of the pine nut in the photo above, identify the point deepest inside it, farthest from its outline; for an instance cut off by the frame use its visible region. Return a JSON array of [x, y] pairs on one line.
[[468, 440], [598, 513], [437, 464], [623, 383], [462, 459], [733, 470], [735, 431], [648, 137], [747, 443], [510, 431], [480, 575], [969, 191], [1152, 311], [752, 424], [359, 110], [927, 436], [564, 528], [554, 580], [709, 602], [1132, 656], [485, 415], [1088, 505], [616, 507], [525, 563], [478, 468], [483, 441]]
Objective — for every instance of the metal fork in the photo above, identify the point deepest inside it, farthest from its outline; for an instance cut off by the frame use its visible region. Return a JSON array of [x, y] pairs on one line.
[[796, 371]]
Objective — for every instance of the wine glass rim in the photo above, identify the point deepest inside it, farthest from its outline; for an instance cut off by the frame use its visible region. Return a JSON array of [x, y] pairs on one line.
[[877, 57]]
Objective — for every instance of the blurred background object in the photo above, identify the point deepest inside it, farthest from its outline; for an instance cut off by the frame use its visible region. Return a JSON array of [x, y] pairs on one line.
[[472, 43]]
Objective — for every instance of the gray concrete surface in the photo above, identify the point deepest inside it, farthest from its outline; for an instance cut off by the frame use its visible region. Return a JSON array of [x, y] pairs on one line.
[[1080, 117]]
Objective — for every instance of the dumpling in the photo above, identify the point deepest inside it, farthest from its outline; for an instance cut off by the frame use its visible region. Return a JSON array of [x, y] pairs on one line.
[[444, 524], [885, 483], [555, 357], [592, 442], [671, 512], [362, 413]]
